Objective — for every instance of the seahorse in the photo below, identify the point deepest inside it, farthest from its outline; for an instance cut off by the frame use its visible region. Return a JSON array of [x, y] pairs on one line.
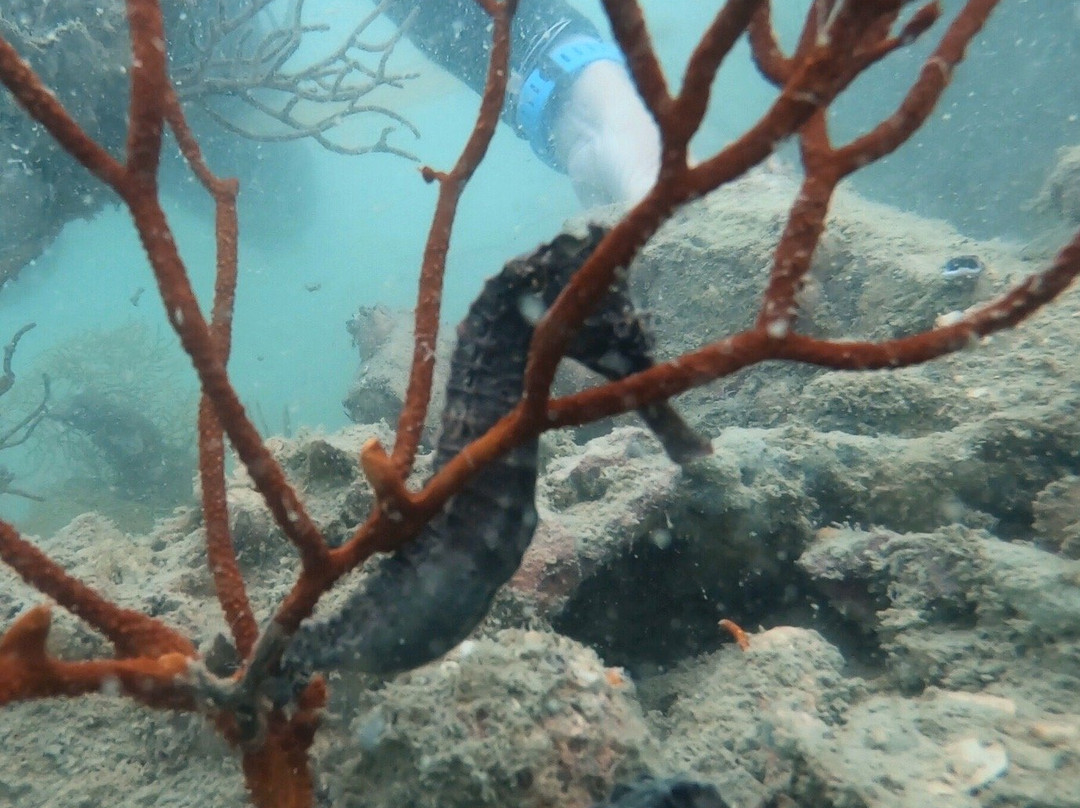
[[422, 601]]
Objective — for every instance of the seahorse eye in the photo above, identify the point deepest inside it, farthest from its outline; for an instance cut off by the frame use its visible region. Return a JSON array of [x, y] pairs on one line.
[[532, 308]]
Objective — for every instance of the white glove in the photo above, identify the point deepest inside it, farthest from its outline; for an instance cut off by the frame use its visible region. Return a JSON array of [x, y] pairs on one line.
[[606, 138]]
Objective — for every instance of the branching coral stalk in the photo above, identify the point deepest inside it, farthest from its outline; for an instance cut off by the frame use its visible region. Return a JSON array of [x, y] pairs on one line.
[[221, 555], [451, 185], [239, 62], [19, 432], [155, 664]]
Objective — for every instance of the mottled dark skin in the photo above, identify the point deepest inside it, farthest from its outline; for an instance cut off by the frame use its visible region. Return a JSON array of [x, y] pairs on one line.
[[425, 599]]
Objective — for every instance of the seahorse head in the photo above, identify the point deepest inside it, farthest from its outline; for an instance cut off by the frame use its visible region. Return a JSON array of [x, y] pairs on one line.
[[615, 339]]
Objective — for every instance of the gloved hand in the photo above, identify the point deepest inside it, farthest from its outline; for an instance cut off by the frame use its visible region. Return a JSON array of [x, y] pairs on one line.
[[605, 138]]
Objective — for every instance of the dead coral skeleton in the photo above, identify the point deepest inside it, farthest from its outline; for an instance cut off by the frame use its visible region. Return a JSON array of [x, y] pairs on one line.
[[21, 430], [240, 62]]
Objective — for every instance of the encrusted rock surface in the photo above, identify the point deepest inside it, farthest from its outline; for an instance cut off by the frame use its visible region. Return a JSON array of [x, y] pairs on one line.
[[1057, 516], [525, 718], [1060, 195], [898, 544]]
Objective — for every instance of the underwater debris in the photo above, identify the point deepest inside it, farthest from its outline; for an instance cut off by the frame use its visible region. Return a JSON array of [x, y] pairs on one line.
[[963, 266]]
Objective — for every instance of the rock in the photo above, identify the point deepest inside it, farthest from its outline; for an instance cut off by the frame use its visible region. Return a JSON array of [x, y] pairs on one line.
[[973, 763], [942, 604], [326, 471], [1057, 516], [526, 719], [383, 339], [623, 531], [728, 717], [1060, 194]]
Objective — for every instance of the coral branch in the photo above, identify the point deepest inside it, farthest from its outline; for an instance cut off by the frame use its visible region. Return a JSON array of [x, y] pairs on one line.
[[221, 555], [686, 114], [391, 494], [132, 633], [28, 672], [184, 315], [7, 380], [747, 348], [628, 25], [43, 106], [826, 166], [765, 49], [149, 88], [920, 100], [277, 771], [451, 186], [139, 191]]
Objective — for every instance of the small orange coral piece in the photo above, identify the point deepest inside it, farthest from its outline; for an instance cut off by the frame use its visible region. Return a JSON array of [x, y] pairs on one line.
[[616, 677], [741, 638]]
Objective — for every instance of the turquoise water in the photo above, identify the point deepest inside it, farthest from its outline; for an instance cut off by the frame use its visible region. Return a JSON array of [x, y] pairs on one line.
[[324, 233], [354, 225]]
